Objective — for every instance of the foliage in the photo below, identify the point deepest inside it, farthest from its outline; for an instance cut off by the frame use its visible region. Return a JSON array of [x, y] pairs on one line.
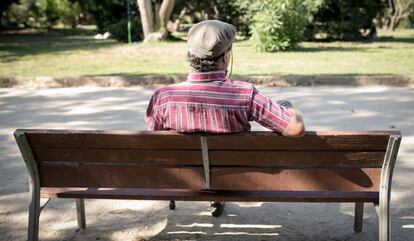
[[4, 5], [107, 12], [343, 19], [233, 12], [279, 24], [47, 13], [119, 30]]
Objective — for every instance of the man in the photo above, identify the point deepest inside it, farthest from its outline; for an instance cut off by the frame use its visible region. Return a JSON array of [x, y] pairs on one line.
[[209, 102]]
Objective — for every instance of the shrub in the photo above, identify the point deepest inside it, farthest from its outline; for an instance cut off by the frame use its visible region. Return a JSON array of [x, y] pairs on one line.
[[343, 19], [119, 30], [51, 12], [280, 24], [107, 12]]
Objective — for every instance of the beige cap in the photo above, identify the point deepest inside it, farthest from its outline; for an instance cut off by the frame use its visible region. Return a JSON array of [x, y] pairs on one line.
[[210, 38]]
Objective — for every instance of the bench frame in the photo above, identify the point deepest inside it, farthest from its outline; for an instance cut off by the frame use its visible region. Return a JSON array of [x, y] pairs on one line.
[[382, 207]]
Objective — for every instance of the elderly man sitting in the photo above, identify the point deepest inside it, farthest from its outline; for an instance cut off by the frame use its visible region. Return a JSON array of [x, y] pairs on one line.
[[210, 102]]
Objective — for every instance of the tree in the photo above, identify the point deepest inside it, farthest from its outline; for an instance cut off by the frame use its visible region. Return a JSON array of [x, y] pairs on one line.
[[4, 5], [398, 10], [150, 24]]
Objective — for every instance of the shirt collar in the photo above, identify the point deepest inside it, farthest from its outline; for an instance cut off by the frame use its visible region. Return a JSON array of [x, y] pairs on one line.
[[206, 76]]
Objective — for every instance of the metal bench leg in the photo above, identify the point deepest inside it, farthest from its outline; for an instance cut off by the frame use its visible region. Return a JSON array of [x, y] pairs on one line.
[[383, 209], [34, 185], [34, 213], [358, 217], [80, 210], [384, 222]]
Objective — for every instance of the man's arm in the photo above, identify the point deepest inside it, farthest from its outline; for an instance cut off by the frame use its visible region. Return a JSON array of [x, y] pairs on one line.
[[151, 118], [296, 127], [279, 117]]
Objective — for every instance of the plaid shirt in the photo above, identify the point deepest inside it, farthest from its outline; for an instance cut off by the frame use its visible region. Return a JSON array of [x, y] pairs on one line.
[[209, 102]]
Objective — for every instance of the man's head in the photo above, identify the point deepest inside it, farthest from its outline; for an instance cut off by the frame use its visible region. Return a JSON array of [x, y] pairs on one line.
[[209, 45]]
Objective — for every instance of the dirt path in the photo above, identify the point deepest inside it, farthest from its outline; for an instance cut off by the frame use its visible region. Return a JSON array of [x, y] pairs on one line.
[[324, 108]]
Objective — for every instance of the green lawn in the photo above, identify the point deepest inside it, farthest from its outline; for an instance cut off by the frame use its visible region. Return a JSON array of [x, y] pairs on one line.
[[58, 54]]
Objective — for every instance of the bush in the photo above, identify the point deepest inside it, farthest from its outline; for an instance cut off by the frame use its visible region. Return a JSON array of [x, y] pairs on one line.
[[51, 12], [279, 24], [233, 12], [107, 12], [119, 30], [343, 19]]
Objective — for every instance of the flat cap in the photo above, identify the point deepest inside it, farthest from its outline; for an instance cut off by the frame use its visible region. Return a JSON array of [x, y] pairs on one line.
[[210, 38]]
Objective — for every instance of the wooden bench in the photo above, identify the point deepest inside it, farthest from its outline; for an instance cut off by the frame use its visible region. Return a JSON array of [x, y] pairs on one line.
[[329, 166]]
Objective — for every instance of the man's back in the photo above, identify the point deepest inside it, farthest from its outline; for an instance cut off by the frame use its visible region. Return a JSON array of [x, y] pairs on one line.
[[209, 102]]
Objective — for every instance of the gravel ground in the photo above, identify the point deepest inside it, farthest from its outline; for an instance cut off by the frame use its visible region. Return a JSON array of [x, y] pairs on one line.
[[324, 108]]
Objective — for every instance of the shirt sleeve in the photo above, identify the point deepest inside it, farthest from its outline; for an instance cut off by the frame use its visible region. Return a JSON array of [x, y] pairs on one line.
[[151, 116], [268, 113]]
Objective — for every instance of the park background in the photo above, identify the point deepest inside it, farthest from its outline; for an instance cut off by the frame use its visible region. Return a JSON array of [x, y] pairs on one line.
[[93, 64]]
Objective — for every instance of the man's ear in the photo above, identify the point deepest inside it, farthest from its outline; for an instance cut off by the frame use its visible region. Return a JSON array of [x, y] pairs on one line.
[[225, 60]]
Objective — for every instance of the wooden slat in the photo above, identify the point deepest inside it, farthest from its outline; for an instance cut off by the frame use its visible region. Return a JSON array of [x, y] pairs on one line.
[[296, 159], [145, 140], [160, 157], [338, 140], [120, 177], [193, 195], [92, 175], [220, 158], [311, 142], [335, 179]]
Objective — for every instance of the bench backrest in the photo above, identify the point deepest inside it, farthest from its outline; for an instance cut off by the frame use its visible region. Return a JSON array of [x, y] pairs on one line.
[[319, 161]]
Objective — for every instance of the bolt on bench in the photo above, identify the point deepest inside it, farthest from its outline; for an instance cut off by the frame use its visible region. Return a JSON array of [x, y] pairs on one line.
[[332, 166]]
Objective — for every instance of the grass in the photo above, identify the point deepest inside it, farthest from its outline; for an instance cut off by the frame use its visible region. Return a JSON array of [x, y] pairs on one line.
[[78, 54]]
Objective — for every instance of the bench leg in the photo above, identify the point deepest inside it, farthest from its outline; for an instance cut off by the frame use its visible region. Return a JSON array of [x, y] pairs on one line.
[[172, 205], [384, 220], [80, 210], [34, 213], [358, 217], [383, 209]]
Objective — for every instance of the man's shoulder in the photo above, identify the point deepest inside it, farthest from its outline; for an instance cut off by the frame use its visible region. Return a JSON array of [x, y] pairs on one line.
[[166, 88], [241, 83], [226, 85]]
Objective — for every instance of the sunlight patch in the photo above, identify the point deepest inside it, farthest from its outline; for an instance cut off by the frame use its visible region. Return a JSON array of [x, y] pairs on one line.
[[248, 234], [202, 225], [186, 232], [262, 226]]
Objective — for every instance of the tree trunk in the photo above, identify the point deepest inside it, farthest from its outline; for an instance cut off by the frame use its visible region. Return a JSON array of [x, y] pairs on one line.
[[147, 19], [157, 7], [392, 23], [177, 22], [166, 9], [398, 10]]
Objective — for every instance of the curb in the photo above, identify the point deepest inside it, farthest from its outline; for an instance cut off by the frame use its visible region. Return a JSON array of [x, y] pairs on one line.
[[281, 81]]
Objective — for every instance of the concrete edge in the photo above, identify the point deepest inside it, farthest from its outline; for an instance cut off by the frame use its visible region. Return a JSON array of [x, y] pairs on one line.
[[128, 81]]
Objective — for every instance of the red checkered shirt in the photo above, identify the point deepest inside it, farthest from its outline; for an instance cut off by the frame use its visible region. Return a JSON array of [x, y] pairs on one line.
[[209, 102]]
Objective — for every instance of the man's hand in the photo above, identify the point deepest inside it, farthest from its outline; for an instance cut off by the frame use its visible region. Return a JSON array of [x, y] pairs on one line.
[[296, 127]]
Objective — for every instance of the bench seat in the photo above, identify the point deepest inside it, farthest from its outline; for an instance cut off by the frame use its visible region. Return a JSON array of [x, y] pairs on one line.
[[327, 166], [192, 195]]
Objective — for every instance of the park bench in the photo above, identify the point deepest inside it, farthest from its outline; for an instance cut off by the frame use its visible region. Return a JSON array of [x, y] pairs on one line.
[[332, 166]]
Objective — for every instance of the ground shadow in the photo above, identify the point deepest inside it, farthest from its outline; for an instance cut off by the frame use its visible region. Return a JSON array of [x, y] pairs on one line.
[[395, 40], [20, 45]]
